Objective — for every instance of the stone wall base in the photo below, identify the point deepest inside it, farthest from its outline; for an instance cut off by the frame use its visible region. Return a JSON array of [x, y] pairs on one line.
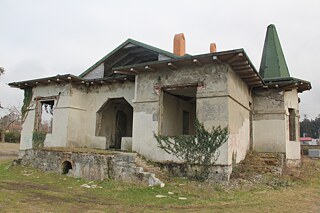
[[293, 163], [218, 173], [90, 166]]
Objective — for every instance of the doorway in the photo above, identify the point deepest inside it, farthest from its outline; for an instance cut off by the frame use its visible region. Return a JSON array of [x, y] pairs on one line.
[[114, 121]]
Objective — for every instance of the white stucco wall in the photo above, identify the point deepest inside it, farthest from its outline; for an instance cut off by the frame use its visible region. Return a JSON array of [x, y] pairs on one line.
[[292, 147], [212, 106], [83, 108], [271, 122], [239, 118], [58, 137], [269, 128], [74, 115]]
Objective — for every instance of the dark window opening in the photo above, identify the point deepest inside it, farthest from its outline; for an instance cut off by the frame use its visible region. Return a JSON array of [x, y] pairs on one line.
[[185, 123], [178, 111], [292, 125], [66, 166]]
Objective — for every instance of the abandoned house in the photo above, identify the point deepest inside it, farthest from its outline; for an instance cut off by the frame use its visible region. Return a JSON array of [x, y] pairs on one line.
[[137, 90]]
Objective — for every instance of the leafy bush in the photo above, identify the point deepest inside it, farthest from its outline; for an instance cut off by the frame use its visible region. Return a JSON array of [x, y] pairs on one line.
[[199, 149], [12, 137]]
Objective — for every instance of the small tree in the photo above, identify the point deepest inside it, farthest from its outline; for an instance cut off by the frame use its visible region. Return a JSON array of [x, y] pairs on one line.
[[1, 73], [13, 115], [200, 149]]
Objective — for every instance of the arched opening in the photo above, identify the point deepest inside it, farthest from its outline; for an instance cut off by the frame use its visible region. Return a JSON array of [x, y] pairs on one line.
[[65, 167], [114, 121]]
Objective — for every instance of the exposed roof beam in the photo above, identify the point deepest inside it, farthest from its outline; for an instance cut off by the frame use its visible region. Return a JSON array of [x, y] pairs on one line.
[[172, 66], [244, 69], [150, 68], [128, 61], [197, 62], [241, 67], [234, 58], [239, 63], [215, 58], [124, 72], [290, 87], [118, 60], [250, 77], [134, 70]]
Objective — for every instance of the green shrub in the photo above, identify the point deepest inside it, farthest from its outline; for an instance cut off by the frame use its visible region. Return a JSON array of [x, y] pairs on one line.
[[199, 149], [12, 137]]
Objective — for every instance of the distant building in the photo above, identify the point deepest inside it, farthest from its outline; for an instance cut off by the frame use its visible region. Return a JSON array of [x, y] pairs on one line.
[[309, 141]]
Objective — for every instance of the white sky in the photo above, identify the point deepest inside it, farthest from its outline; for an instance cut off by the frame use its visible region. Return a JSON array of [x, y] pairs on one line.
[[41, 38]]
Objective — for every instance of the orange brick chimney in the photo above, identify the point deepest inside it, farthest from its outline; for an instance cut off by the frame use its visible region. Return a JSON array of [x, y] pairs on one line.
[[213, 48], [179, 44]]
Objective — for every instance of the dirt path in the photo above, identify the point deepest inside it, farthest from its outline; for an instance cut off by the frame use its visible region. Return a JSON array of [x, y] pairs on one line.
[[8, 151]]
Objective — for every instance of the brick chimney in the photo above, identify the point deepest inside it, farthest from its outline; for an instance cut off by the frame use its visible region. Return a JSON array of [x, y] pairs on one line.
[[179, 44], [213, 48]]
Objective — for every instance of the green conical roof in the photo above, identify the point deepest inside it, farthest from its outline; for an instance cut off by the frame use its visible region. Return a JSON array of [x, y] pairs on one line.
[[273, 64]]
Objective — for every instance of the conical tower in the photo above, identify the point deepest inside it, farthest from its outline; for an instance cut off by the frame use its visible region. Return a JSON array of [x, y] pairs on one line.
[[273, 64]]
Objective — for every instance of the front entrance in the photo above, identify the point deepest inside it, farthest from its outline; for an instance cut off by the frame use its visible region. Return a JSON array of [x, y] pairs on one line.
[[121, 128], [114, 121]]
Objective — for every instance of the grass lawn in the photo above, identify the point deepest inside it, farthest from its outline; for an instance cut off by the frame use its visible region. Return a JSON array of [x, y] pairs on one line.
[[23, 189]]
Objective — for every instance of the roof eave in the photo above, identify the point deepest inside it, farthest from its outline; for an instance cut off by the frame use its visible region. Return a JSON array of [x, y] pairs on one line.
[[237, 59], [68, 78]]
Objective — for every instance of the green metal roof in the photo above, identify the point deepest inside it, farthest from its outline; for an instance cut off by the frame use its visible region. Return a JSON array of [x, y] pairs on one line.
[[124, 44], [273, 64]]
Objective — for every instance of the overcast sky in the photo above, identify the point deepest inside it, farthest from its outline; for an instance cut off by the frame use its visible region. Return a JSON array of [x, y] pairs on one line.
[[45, 38]]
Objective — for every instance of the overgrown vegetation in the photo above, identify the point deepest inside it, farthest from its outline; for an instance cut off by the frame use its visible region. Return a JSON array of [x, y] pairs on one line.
[[200, 149], [26, 102], [38, 139]]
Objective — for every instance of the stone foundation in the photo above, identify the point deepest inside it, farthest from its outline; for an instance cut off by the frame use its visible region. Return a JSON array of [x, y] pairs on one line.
[[90, 166], [293, 163], [218, 173]]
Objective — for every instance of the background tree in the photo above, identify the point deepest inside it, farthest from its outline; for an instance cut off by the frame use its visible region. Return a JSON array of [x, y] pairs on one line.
[[13, 115], [1, 73], [310, 127], [200, 149]]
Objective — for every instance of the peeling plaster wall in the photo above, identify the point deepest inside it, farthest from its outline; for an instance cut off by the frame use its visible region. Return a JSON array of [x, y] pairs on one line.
[[77, 117], [213, 111], [212, 105], [239, 118], [58, 137], [74, 115], [85, 105], [269, 122]]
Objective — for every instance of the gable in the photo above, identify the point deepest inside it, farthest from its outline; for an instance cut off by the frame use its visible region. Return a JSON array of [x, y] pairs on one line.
[[128, 53]]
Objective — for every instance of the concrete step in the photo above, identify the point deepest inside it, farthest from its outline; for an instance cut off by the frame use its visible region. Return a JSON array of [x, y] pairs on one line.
[[147, 167]]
